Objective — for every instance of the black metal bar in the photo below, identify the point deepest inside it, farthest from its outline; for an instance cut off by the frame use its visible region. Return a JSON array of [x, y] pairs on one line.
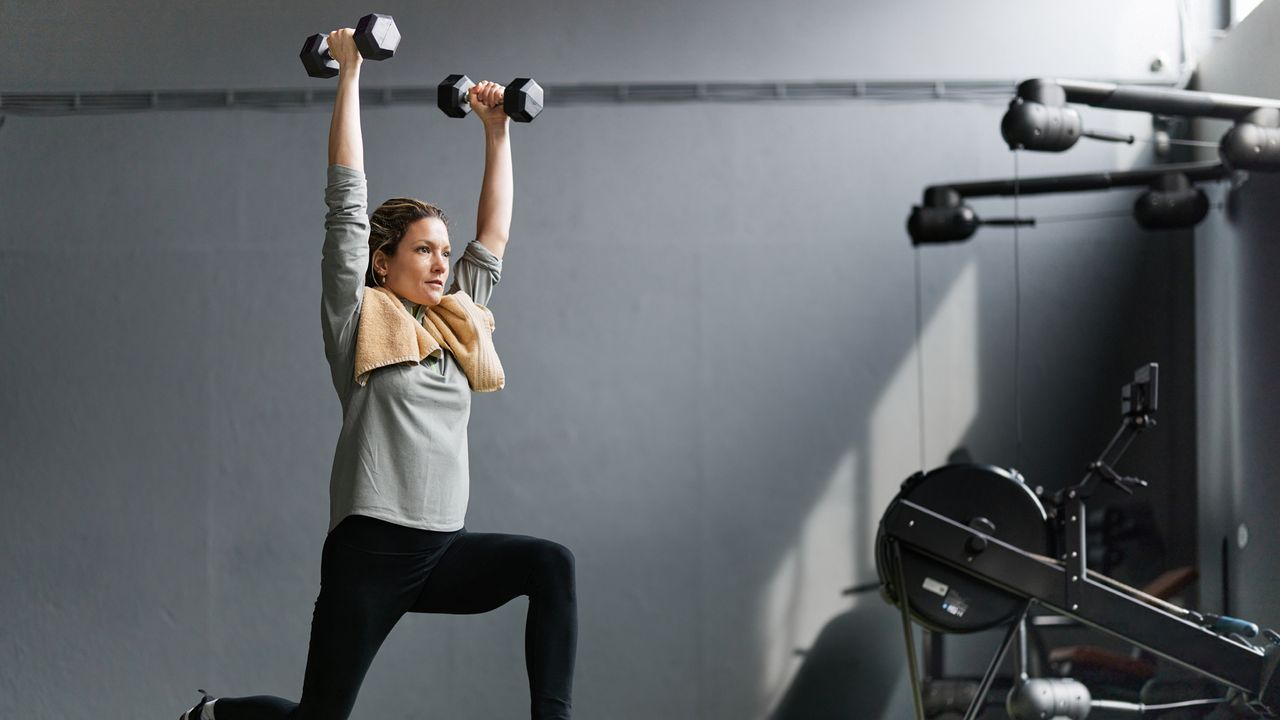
[[917, 695], [933, 646], [1164, 101], [989, 676], [1075, 559], [1009, 222], [1125, 428], [1195, 172], [1108, 609], [1125, 447]]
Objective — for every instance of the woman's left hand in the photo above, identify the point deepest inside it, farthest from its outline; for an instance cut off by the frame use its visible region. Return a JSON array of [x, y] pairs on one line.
[[486, 103]]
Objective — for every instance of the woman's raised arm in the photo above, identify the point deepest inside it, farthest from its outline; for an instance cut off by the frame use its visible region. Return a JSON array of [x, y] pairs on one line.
[[346, 146], [493, 218]]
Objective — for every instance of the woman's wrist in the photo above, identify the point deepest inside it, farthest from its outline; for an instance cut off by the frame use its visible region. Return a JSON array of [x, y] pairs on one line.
[[349, 73], [496, 130]]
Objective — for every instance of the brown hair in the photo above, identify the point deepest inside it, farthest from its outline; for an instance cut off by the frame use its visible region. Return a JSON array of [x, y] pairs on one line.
[[388, 223]]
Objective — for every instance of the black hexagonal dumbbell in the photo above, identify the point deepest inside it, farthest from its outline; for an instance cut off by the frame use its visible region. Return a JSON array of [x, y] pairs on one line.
[[377, 38], [522, 100]]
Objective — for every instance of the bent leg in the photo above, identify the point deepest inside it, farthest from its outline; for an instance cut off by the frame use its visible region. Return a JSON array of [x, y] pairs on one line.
[[483, 571], [363, 593]]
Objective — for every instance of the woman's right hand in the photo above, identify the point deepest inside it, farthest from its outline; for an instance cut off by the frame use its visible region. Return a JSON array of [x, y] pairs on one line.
[[342, 47]]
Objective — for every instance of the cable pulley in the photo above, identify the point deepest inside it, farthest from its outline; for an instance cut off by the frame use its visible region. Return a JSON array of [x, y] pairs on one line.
[[1040, 118]]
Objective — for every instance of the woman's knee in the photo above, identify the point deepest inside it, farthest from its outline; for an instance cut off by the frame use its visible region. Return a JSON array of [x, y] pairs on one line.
[[554, 561]]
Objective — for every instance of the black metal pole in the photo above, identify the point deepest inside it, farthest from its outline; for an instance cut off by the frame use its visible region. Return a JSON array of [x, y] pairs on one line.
[[903, 604], [975, 707], [1195, 172], [1164, 101]]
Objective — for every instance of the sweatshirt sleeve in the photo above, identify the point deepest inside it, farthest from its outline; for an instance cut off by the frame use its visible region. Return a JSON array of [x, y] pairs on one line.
[[343, 263], [476, 272]]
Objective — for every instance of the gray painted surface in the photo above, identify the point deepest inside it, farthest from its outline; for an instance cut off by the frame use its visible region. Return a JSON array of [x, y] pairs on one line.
[[1237, 352], [212, 46], [707, 321]]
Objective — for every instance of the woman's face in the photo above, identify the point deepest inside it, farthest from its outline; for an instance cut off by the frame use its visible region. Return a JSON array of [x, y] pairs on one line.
[[420, 267]]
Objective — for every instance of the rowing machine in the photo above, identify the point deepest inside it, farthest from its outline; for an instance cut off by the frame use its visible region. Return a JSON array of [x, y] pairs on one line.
[[967, 547]]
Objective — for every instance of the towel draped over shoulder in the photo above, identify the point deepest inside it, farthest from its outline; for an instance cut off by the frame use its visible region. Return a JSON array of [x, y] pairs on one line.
[[388, 335]]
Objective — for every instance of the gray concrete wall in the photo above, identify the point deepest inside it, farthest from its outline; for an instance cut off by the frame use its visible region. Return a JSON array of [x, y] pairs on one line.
[[1237, 351], [707, 320]]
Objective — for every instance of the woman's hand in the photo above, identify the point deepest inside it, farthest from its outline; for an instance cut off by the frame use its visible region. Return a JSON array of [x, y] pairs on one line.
[[486, 103], [342, 46]]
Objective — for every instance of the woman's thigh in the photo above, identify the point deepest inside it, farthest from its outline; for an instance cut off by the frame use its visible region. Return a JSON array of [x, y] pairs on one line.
[[369, 577], [483, 571]]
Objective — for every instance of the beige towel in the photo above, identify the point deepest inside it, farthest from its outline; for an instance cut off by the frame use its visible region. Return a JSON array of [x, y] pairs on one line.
[[388, 335]]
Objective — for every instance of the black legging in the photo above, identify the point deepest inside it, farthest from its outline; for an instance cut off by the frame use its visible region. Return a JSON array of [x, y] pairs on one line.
[[372, 572]]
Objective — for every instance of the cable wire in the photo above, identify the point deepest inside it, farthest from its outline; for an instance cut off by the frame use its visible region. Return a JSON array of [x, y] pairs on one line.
[[1017, 321], [920, 356]]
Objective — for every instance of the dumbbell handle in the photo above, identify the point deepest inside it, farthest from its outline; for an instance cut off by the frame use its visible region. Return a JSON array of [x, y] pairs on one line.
[[324, 47]]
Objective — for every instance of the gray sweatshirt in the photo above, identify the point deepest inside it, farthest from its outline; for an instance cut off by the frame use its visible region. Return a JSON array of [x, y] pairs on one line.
[[402, 452]]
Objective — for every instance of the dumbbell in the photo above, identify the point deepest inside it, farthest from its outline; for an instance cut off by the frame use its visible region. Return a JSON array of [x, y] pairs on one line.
[[377, 38], [522, 100]]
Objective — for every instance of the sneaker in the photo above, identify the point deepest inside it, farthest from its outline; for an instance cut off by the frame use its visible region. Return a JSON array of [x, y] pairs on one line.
[[195, 712]]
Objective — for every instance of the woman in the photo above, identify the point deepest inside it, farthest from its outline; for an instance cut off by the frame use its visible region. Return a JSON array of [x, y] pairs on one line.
[[399, 485]]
